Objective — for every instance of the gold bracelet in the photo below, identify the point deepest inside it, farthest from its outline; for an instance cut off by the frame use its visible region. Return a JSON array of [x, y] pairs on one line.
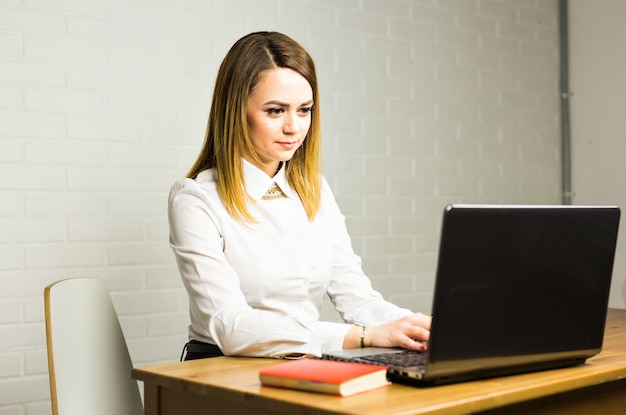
[[362, 334]]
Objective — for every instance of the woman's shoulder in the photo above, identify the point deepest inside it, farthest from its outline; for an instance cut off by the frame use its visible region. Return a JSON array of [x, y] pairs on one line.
[[327, 190], [204, 183]]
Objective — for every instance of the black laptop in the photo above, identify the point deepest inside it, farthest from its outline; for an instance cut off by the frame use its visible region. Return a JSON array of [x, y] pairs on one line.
[[518, 289]]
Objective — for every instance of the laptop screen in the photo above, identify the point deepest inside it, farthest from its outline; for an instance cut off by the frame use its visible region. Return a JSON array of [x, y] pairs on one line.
[[522, 280]]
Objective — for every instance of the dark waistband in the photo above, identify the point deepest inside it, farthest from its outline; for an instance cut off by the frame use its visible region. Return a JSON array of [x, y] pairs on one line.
[[199, 350], [196, 346]]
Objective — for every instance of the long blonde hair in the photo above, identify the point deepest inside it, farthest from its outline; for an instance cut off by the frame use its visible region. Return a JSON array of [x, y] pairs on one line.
[[227, 140]]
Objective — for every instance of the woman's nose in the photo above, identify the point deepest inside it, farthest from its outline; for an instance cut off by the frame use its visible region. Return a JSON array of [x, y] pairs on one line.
[[291, 123]]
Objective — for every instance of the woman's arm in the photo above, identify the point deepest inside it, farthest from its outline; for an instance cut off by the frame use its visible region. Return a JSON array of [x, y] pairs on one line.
[[350, 290]]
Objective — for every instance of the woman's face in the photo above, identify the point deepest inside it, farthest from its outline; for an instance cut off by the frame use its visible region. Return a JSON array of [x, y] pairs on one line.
[[279, 117]]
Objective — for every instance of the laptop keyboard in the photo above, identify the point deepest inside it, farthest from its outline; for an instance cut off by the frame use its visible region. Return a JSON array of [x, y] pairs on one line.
[[404, 358]]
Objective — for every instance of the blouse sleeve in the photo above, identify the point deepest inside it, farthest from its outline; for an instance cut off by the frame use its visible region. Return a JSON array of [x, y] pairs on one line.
[[350, 290]]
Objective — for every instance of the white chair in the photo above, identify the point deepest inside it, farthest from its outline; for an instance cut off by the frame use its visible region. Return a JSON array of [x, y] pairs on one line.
[[88, 360]]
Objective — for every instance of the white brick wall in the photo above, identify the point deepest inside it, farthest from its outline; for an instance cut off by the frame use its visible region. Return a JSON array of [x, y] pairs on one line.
[[599, 116], [103, 106]]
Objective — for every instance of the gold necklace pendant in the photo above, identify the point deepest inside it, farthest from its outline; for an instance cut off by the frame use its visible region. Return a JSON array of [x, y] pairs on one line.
[[273, 192]]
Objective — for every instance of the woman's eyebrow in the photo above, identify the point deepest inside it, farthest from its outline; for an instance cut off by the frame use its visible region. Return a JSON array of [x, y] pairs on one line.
[[284, 104]]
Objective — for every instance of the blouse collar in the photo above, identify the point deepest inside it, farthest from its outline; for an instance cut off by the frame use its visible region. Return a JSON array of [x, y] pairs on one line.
[[258, 182]]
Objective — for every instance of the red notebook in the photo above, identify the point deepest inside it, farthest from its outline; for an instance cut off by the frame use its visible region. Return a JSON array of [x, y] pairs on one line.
[[325, 376]]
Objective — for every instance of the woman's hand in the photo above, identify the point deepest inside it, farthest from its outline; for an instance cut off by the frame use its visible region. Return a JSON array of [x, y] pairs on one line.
[[409, 332]]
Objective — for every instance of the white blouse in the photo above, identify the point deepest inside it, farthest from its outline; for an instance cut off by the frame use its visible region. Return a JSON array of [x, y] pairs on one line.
[[256, 289]]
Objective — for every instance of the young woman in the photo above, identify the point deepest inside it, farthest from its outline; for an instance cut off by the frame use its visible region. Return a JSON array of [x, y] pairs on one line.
[[255, 229]]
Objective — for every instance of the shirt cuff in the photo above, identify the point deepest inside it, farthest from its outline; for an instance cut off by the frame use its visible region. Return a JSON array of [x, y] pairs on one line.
[[328, 336]]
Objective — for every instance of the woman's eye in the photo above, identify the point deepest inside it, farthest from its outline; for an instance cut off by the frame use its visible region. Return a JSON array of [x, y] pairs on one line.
[[306, 110], [275, 111]]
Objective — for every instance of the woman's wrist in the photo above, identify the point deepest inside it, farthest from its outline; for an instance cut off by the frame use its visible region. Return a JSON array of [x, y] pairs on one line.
[[356, 336], [362, 335]]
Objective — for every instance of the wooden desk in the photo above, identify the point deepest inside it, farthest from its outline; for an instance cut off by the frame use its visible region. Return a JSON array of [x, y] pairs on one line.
[[230, 385]]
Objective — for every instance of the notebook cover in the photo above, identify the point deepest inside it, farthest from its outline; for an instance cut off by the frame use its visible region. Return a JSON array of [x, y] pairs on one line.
[[325, 376]]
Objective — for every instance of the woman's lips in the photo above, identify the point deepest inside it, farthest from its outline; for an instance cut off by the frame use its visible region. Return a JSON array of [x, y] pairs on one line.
[[288, 145]]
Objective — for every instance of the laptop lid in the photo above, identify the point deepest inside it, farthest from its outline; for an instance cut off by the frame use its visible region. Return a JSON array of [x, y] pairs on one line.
[[518, 288]]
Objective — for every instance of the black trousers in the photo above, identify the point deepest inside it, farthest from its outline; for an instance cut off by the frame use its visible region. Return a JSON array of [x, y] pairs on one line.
[[198, 350]]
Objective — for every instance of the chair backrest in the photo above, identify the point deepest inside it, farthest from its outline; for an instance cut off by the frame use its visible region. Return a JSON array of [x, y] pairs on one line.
[[88, 360]]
